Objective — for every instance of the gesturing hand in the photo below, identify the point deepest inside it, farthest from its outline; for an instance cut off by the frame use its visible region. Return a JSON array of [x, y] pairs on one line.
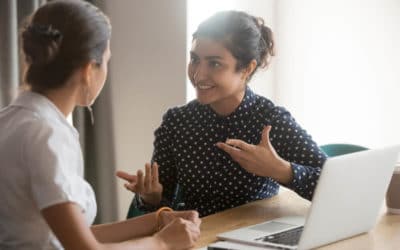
[[147, 186], [260, 159]]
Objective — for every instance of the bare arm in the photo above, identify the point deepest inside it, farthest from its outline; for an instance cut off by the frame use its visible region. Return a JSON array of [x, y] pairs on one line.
[[68, 224], [132, 228]]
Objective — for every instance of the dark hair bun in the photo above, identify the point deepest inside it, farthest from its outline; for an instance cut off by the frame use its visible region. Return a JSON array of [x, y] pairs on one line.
[[269, 50], [41, 43], [266, 46]]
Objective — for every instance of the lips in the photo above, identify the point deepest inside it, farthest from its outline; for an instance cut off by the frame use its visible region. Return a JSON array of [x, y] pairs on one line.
[[204, 87]]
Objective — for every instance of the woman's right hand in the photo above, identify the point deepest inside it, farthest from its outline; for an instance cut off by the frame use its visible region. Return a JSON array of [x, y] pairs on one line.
[[179, 234], [147, 186]]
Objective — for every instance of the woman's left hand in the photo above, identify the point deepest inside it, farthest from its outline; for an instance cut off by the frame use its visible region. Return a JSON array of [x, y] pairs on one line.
[[260, 159]]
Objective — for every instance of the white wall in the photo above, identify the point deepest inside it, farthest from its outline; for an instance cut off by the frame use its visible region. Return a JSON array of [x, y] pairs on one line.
[[147, 73], [338, 68]]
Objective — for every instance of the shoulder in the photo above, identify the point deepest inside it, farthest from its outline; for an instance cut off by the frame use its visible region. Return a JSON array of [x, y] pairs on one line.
[[29, 127], [267, 109], [43, 130], [263, 103], [47, 141], [181, 112], [32, 140], [39, 136]]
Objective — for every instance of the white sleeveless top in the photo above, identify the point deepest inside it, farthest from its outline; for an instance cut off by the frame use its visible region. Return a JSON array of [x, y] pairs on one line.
[[41, 165]]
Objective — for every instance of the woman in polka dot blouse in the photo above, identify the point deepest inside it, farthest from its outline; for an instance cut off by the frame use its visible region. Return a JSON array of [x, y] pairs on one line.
[[230, 146]]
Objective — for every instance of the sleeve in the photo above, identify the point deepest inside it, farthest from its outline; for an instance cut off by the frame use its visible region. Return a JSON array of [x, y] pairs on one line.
[[50, 163], [163, 154], [295, 145]]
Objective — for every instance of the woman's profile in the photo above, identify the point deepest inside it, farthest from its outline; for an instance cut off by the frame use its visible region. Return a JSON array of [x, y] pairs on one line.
[[46, 203]]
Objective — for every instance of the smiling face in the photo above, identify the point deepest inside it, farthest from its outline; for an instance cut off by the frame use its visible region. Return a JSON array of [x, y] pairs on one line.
[[212, 71]]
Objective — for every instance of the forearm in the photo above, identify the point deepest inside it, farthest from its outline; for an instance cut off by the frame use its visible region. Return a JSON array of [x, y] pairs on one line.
[[125, 230], [283, 173], [142, 243], [305, 179], [165, 157]]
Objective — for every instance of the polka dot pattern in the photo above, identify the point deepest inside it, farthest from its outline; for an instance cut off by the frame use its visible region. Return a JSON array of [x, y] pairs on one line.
[[211, 181]]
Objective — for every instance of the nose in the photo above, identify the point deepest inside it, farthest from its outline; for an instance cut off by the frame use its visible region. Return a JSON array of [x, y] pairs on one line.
[[199, 73]]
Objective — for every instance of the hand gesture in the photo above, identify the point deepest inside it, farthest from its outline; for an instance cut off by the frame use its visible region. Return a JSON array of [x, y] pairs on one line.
[[260, 159], [148, 186], [179, 234]]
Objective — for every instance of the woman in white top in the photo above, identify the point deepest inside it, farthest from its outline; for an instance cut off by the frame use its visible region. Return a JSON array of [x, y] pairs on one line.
[[45, 202]]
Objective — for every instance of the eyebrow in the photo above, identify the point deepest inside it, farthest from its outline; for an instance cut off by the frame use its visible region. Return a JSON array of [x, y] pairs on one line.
[[213, 57], [193, 54]]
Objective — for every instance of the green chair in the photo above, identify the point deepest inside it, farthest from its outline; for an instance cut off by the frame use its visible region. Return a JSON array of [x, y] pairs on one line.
[[176, 204], [341, 149], [134, 211]]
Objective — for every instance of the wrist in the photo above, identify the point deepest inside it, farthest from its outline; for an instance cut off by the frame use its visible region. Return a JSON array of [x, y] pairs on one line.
[[152, 199], [159, 221], [284, 173]]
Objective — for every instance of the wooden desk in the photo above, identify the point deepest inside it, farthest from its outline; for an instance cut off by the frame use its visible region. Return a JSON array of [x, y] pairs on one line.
[[385, 235]]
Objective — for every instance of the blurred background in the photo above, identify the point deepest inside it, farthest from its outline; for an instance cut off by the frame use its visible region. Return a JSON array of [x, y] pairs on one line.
[[336, 70]]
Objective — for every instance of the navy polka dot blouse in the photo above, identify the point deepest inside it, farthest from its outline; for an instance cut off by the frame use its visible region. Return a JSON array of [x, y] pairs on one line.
[[208, 177]]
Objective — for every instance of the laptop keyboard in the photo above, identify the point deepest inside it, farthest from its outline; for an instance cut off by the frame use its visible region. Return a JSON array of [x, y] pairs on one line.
[[290, 237]]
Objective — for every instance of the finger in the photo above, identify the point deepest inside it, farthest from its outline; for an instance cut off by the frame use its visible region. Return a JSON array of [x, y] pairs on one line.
[[191, 215], [227, 148], [235, 153], [147, 177], [131, 187], [192, 227], [140, 180], [265, 136], [194, 230], [196, 221], [239, 144], [155, 173], [126, 176]]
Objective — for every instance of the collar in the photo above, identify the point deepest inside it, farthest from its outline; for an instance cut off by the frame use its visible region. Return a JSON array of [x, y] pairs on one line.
[[43, 107], [240, 113]]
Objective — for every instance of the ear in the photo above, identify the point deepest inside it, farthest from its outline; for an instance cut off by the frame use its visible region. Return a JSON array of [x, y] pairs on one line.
[[86, 71], [249, 69]]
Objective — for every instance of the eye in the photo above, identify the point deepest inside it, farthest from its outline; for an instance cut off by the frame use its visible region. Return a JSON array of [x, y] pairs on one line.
[[194, 59], [214, 64]]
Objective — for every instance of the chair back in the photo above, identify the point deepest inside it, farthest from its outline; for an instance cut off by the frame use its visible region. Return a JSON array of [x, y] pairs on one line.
[[341, 149]]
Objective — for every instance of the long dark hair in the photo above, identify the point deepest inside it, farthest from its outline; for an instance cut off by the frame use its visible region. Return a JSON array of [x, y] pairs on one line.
[[60, 37]]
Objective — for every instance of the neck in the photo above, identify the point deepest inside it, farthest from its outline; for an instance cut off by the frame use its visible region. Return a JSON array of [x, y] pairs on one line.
[[63, 98], [227, 106]]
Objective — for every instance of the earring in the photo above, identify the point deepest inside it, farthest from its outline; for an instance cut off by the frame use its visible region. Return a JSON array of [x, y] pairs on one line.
[[89, 107], [91, 114]]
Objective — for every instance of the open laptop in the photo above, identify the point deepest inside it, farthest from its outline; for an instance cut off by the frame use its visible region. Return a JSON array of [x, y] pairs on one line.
[[346, 202]]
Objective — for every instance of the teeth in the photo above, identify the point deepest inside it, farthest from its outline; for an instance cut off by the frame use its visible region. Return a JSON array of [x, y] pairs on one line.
[[204, 86]]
